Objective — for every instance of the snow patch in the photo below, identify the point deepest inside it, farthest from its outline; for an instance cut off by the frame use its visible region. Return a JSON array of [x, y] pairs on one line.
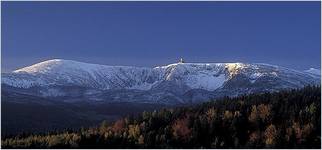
[[144, 86], [314, 71], [52, 92], [253, 77], [256, 75], [206, 82]]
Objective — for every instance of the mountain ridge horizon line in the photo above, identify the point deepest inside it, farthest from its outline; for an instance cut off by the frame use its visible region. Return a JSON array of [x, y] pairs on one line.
[[48, 61]]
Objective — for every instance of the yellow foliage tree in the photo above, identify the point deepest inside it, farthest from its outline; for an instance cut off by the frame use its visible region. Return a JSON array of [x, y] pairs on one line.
[[134, 131], [211, 114], [270, 135], [262, 112], [228, 114], [180, 129]]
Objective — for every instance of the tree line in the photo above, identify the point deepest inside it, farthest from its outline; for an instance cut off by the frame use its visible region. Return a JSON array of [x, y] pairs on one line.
[[285, 119]]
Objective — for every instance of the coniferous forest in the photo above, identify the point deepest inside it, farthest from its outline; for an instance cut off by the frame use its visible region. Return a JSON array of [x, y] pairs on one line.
[[286, 119]]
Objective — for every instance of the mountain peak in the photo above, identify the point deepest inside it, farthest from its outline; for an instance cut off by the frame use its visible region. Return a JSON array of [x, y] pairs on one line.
[[43, 66]]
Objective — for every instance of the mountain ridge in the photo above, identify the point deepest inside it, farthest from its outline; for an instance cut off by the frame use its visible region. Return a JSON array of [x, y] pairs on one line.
[[53, 78]]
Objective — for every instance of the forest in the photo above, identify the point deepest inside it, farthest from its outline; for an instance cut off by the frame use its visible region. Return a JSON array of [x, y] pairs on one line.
[[285, 119]]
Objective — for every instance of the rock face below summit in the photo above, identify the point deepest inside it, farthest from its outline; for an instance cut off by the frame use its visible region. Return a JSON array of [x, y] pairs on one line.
[[179, 83]]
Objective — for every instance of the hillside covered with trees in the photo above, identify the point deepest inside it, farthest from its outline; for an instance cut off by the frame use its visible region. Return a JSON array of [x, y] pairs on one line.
[[286, 119]]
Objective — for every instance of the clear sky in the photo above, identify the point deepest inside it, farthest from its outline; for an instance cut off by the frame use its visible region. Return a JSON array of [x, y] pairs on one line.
[[157, 33]]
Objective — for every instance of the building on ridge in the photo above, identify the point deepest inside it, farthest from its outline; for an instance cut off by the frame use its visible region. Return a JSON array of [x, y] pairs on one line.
[[181, 60]]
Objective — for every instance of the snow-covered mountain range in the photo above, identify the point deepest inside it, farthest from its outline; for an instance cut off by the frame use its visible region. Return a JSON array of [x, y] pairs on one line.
[[171, 84]]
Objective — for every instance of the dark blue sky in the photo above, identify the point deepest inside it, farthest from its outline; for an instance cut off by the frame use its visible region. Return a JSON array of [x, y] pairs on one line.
[[157, 33]]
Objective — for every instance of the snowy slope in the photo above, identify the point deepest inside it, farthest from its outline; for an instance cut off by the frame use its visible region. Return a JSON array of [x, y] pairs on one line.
[[62, 72], [314, 71], [50, 78]]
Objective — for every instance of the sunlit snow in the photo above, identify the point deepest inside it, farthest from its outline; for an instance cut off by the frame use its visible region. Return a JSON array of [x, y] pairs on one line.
[[207, 76]]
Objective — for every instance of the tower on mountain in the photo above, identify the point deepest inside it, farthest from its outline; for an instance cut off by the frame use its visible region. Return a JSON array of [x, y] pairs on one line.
[[181, 60]]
